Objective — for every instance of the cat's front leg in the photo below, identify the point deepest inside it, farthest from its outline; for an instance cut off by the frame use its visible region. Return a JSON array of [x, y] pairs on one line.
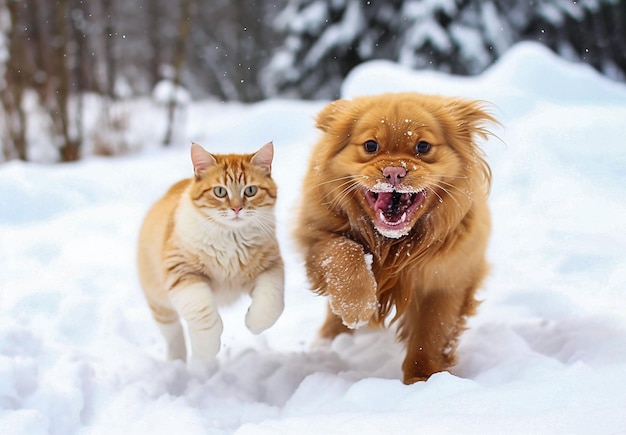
[[195, 303], [175, 339], [268, 300]]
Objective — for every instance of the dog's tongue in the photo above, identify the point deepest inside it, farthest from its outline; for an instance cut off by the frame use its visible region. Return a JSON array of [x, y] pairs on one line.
[[384, 201], [393, 211]]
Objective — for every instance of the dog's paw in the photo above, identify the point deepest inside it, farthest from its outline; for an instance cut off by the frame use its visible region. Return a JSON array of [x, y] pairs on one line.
[[354, 312]]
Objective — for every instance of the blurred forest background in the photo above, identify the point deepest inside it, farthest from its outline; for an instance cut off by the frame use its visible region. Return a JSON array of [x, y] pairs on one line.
[[55, 55]]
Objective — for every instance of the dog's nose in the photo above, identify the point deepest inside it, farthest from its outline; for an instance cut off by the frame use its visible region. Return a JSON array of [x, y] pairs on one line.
[[394, 174]]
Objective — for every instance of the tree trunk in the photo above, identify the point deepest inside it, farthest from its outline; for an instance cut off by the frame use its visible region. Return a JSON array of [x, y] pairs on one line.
[[179, 61], [60, 76], [15, 76]]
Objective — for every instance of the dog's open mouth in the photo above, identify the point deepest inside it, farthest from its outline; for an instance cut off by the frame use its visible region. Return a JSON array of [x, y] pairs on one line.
[[393, 210]]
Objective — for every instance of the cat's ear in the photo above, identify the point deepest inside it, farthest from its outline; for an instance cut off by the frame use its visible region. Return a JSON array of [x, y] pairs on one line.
[[264, 156], [201, 159]]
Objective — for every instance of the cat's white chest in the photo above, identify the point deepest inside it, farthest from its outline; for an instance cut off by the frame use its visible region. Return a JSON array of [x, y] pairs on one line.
[[224, 251], [223, 254]]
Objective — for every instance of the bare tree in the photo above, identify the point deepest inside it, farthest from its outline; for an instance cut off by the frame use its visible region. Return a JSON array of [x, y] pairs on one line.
[[59, 81], [14, 87], [41, 60], [178, 64], [227, 57]]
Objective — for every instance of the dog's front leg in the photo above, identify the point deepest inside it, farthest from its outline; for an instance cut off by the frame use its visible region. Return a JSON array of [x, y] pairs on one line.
[[430, 329], [338, 267]]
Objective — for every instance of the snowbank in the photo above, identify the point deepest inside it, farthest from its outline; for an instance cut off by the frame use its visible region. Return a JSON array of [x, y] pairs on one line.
[[79, 352]]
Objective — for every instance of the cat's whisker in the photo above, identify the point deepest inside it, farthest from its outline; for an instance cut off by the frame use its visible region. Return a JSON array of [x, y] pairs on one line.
[[266, 226], [266, 223]]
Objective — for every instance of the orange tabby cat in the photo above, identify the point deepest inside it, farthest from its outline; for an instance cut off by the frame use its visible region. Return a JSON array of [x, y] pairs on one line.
[[209, 240]]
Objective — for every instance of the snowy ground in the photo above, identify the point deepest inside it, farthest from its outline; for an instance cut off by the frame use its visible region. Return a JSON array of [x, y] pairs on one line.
[[79, 352]]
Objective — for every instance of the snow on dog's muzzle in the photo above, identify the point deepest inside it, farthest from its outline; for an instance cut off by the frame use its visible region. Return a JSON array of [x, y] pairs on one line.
[[393, 209]]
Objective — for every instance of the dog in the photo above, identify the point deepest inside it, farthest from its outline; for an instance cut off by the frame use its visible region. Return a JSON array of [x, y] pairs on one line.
[[394, 221]]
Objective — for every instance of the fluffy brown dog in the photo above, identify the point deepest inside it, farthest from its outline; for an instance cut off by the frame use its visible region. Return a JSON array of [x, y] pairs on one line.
[[394, 219]]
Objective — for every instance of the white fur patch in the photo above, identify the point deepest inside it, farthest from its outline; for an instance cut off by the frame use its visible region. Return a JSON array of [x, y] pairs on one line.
[[267, 301], [225, 248], [196, 304], [174, 339]]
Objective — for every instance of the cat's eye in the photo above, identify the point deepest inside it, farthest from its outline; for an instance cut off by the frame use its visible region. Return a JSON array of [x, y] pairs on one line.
[[422, 147], [250, 190], [370, 146], [220, 191]]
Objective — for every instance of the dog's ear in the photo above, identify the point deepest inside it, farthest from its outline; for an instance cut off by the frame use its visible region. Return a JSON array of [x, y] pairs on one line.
[[330, 113], [471, 117]]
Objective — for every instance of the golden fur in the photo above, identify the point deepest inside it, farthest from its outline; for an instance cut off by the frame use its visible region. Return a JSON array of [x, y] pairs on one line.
[[394, 219]]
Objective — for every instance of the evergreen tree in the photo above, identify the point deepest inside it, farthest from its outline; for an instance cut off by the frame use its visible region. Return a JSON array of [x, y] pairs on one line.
[[325, 39]]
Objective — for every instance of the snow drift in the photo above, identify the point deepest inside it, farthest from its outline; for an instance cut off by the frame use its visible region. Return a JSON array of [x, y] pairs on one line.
[[79, 352]]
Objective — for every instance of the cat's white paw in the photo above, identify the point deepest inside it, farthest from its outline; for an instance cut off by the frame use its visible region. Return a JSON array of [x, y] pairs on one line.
[[206, 343], [196, 304], [268, 301], [261, 316], [174, 339]]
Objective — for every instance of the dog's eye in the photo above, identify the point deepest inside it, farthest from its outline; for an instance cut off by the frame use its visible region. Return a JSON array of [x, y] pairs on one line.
[[422, 147], [371, 146]]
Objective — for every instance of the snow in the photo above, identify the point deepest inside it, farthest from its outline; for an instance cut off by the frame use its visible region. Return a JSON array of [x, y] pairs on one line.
[[546, 353], [166, 91]]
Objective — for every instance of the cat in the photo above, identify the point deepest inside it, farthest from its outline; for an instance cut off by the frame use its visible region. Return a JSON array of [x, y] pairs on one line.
[[207, 242]]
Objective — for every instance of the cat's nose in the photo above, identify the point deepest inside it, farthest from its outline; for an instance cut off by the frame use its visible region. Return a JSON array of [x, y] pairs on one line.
[[236, 210], [394, 174]]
